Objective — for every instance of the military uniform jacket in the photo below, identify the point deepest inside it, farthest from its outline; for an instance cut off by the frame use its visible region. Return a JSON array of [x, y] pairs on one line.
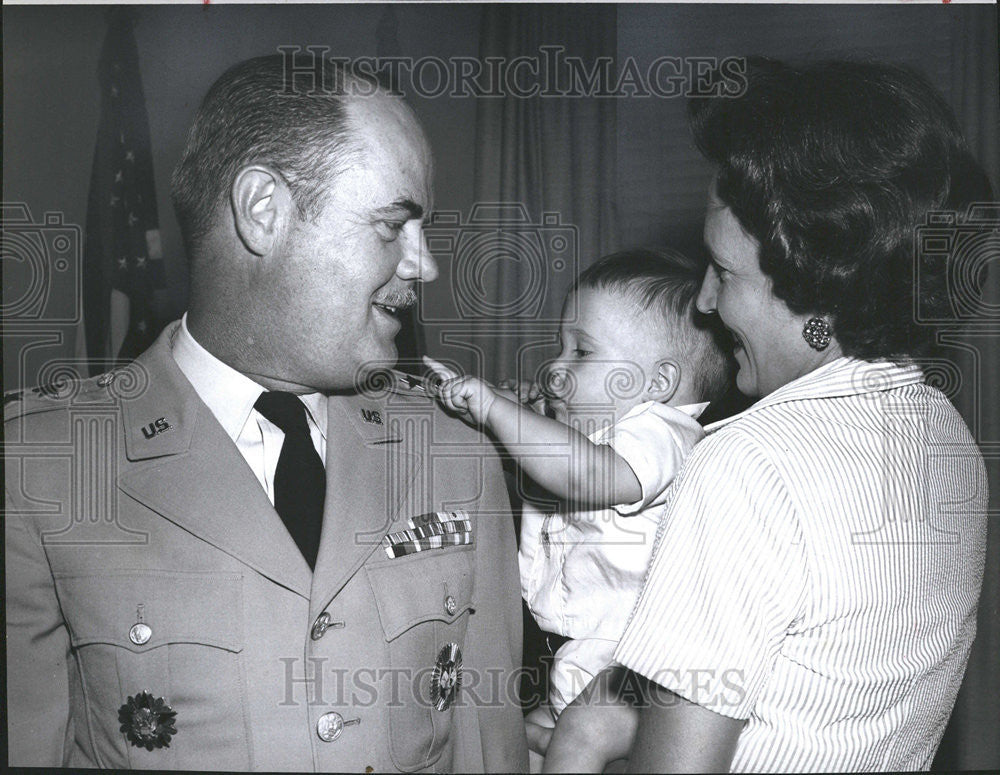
[[127, 504]]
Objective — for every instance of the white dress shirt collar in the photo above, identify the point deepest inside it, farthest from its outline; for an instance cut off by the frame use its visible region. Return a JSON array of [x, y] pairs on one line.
[[227, 393]]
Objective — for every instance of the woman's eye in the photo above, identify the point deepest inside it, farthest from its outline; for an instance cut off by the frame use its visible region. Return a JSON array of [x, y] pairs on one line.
[[579, 353]]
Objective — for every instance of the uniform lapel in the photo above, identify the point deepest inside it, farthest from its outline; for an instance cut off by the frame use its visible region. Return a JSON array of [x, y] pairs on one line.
[[369, 474], [193, 475]]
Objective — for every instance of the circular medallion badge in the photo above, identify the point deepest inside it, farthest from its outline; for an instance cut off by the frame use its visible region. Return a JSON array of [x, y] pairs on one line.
[[447, 676]]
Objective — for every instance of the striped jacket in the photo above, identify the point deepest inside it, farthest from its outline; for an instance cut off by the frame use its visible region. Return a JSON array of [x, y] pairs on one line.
[[818, 571]]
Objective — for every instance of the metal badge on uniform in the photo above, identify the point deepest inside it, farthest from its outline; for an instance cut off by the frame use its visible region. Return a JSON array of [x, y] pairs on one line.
[[147, 722], [156, 427], [447, 676], [372, 416]]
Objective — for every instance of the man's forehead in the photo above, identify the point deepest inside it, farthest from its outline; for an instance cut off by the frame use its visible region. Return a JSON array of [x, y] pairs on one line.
[[393, 147], [382, 119]]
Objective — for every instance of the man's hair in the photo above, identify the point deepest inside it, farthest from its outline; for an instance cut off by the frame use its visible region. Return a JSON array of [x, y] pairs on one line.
[[667, 282], [831, 167], [257, 112]]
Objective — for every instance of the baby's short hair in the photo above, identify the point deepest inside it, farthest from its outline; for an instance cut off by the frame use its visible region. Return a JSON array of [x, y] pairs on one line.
[[667, 281]]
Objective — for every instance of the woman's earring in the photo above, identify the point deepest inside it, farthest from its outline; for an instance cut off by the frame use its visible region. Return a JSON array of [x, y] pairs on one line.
[[817, 333]]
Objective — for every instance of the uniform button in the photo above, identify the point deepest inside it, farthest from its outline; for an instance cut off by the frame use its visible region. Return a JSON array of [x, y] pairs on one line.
[[323, 623], [320, 626], [450, 605], [140, 634], [106, 379], [330, 726]]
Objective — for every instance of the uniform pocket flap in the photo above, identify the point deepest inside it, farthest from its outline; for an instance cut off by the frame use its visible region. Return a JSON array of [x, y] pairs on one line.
[[433, 585], [173, 606]]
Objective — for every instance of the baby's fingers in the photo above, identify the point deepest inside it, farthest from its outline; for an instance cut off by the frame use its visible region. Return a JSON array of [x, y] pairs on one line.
[[454, 394], [440, 369], [517, 387]]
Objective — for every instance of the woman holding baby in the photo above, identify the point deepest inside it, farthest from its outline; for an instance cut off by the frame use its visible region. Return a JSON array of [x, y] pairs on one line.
[[812, 597]]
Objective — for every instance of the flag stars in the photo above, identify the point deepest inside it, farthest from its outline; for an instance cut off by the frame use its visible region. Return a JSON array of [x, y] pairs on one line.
[[114, 200], [119, 177], [140, 262], [129, 156], [123, 263], [132, 219], [114, 90]]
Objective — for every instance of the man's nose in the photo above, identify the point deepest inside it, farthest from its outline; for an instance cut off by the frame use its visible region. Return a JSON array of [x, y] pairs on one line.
[[708, 292], [417, 262]]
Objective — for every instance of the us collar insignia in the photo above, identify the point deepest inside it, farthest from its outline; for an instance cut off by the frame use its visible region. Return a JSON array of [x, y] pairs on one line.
[[147, 722], [447, 676]]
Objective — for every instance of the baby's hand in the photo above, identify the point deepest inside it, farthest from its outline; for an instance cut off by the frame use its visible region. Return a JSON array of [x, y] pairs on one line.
[[525, 392], [469, 397]]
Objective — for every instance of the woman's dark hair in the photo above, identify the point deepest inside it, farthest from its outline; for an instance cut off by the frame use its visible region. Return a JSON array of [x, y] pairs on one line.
[[668, 282], [832, 167]]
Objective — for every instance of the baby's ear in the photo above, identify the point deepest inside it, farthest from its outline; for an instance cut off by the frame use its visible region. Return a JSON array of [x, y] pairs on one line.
[[665, 381]]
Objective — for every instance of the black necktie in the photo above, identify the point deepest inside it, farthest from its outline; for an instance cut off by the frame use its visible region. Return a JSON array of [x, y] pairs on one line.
[[299, 479]]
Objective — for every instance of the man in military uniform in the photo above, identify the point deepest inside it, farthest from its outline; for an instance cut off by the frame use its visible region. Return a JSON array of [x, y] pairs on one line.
[[228, 555]]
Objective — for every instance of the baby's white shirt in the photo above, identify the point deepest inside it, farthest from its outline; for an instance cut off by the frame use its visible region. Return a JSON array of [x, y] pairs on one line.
[[581, 572]]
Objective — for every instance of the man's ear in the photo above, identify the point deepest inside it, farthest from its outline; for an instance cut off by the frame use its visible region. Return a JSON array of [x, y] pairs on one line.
[[666, 379], [260, 201]]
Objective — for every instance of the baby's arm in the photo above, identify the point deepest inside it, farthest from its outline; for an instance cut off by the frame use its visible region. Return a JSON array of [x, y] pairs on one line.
[[559, 458], [596, 728]]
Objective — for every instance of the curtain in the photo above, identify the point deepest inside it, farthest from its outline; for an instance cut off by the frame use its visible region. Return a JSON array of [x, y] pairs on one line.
[[970, 741], [546, 161]]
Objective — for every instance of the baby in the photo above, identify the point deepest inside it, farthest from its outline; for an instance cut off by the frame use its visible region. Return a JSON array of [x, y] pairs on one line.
[[634, 372]]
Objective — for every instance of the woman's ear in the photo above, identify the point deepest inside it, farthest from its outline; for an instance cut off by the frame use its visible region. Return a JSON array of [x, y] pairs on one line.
[[666, 379], [260, 201]]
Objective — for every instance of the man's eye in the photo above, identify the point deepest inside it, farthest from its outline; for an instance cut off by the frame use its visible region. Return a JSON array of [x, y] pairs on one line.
[[389, 230]]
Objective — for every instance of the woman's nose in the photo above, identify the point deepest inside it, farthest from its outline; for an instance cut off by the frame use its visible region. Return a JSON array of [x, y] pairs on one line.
[[708, 292]]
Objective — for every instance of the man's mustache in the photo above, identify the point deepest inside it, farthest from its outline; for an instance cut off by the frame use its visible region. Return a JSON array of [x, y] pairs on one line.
[[399, 299]]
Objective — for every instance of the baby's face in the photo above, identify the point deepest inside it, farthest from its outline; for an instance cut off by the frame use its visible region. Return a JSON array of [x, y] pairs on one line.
[[609, 349]]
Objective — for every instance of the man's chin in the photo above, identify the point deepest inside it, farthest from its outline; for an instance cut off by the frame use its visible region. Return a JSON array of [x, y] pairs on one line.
[[372, 373]]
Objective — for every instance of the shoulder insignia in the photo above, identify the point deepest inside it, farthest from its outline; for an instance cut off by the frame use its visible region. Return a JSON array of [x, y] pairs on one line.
[[52, 395], [409, 384]]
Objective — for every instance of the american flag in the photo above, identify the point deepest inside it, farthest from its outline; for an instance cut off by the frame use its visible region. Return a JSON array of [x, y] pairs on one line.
[[123, 258]]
